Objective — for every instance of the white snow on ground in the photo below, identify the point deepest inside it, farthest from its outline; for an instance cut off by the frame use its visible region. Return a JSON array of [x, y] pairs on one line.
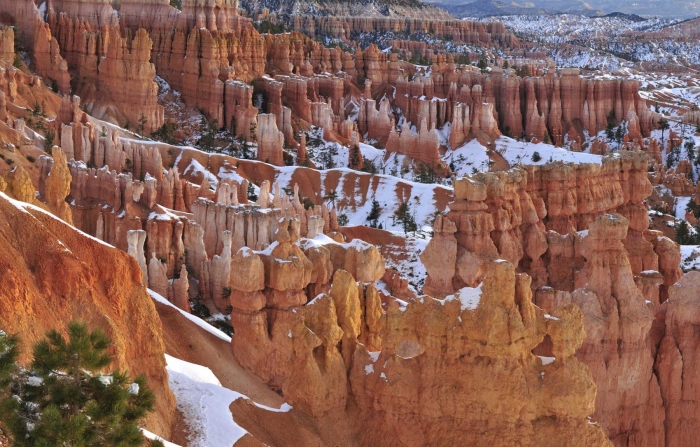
[[690, 257], [411, 268], [198, 321], [681, 204], [595, 42], [196, 167], [470, 297], [518, 152], [205, 404], [370, 152], [153, 436], [468, 158], [283, 175], [225, 174], [23, 206], [322, 239], [421, 198]]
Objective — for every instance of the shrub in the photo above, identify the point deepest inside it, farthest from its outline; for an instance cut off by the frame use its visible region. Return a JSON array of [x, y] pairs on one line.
[[65, 400]]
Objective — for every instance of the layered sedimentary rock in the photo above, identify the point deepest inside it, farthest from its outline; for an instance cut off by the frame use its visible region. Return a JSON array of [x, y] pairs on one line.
[[7, 44], [676, 362], [616, 270], [36, 35], [57, 185], [210, 48], [346, 345], [270, 140], [458, 30], [126, 75], [52, 274], [47, 56], [507, 214], [618, 320], [422, 147], [241, 116], [408, 381]]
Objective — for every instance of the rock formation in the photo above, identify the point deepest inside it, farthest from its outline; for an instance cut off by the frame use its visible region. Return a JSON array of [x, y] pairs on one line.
[[53, 274], [614, 269], [126, 76], [270, 140], [7, 45], [57, 187]]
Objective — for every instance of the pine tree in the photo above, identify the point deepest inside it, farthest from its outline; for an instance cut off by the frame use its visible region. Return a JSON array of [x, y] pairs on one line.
[[663, 126], [9, 351], [690, 150], [404, 216], [355, 158], [142, 124], [409, 224], [64, 400], [610, 129], [682, 233], [49, 140], [374, 214], [207, 140], [619, 135], [251, 192], [482, 64], [331, 197]]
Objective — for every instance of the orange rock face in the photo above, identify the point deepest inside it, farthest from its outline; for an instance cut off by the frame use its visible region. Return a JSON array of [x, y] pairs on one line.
[[348, 344], [614, 269], [126, 75], [676, 359], [7, 45], [618, 321], [58, 186], [407, 382], [270, 140], [53, 274]]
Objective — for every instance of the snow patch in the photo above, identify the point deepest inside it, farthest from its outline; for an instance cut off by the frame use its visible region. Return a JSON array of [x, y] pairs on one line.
[[198, 321], [469, 297], [205, 404]]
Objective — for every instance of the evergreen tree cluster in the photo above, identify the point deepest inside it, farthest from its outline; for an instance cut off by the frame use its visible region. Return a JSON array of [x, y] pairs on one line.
[[405, 217], [684, 235], [355, 161], [426, 174], [207, 139], [64, 399], [673, 156], [374, 213], [613, 132], [166, 133]]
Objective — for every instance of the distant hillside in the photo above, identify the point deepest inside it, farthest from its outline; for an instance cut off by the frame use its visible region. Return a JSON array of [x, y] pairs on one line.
[[483, 8], [633, 11], [630, 17], [362, 8]]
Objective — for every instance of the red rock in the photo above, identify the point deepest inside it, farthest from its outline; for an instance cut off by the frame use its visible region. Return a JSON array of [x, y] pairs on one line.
[[126, 77], [270, 140]]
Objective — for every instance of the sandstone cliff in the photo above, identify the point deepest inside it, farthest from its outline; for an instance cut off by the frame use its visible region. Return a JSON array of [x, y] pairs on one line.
[[53, 274], [614, 269]]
